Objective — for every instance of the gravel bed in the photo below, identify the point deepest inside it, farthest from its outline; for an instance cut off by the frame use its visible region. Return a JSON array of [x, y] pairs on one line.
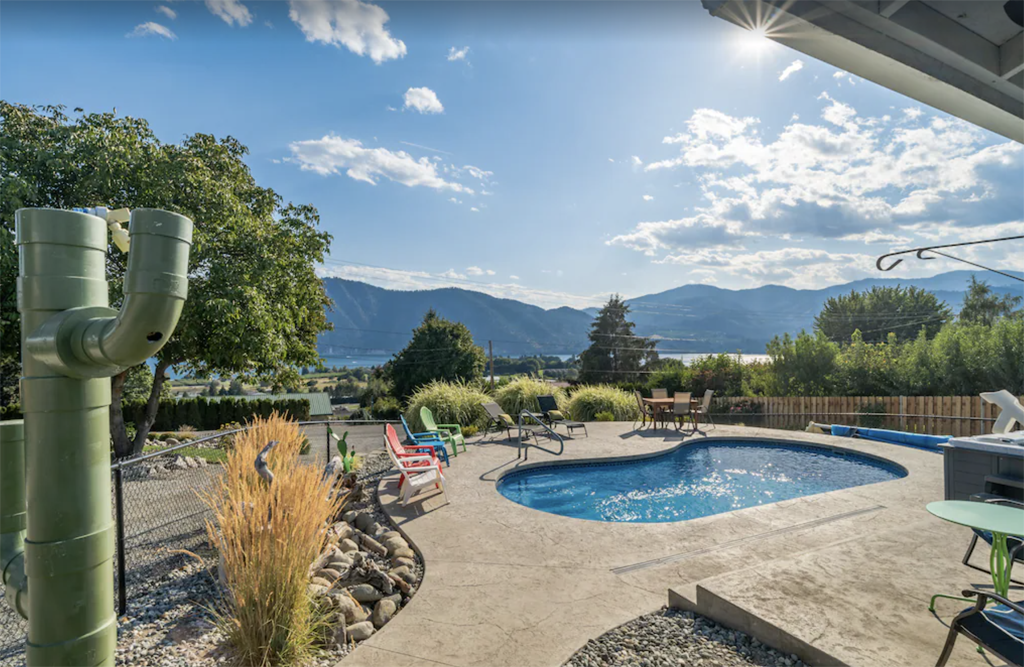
[[172, 624], [671, 637]]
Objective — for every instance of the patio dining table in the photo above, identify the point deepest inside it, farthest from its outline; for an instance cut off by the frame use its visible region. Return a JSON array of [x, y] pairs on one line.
[[999, 520], [663, 407]]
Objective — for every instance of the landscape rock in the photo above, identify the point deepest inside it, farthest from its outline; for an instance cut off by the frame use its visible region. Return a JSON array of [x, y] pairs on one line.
[[171, 442], [339, 636], [342, 530], [201, 461], [350, 610], [401, 561], [365, 593], [392, 544], [405, 573], [329, 574], [347, 545], [396, 598], [364, 520], [317, 590], [373, 546], [178, 463], [382, 612], [360, 631], [191, 462], [320, 581], [349, 517], [404, 552]]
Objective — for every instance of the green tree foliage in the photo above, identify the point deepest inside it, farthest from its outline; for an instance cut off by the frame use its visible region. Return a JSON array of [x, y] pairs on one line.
[[615, 353], [722, 373], [802, 366], [880, 311], [439, 350], [138, 384], [983, 306], [255, 304]]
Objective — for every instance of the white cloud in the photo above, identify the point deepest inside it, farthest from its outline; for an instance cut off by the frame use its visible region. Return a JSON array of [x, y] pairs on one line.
[[514, 277], [876, 236], [477, 271], [478, 173], [231, 11], [474, 209], [636, 161], [151, 28], [802, 268], [648, 197], [423, 100], [453, 275], [358, 26], [486, 193], [331, 154], [457, 54], [792, 69], [701, 231], [454, 200], [166, 11], [912, 113]]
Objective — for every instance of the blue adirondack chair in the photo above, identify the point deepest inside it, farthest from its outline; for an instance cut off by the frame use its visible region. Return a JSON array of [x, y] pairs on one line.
[[429, 440]]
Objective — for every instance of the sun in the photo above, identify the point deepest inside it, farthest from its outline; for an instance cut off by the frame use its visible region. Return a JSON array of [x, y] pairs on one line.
[[754, 42]]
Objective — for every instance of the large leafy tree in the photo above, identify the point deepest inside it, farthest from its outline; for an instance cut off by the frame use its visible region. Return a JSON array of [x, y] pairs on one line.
[[439, 350], [616, 353], [255, 303], [876, 313], [982, 305]]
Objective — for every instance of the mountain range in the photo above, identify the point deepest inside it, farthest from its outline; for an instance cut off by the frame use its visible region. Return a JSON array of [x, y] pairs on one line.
[[693, 318]]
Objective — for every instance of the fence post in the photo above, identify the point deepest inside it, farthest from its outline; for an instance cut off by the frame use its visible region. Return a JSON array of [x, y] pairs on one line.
[[122, 597], [903, 412]]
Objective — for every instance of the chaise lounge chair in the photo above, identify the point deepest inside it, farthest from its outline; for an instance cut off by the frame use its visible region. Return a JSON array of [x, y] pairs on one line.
[[425, 441], [554, 417], [998, 628], [450, 433], [499, 419]]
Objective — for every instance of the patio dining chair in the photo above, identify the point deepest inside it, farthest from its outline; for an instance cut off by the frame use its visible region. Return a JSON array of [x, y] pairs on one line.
[[416, 475], [450, 433], [659, 393], [424, 441], [998, 628], [499, 419], [645, 410], [704, 409], [681, 409], [553, 416]]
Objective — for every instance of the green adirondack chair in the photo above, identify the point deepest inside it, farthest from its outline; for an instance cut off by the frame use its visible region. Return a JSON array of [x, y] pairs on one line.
[[450, 433]]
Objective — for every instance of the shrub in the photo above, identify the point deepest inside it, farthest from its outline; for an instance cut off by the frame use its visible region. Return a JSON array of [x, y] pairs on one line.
[[604, 417], [521, 394], [470, 431], [451, 403], [588, 400], [386, 407], [267, 535]]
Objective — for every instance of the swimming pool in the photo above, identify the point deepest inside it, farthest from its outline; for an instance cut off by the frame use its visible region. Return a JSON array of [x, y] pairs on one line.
[[692, 481]]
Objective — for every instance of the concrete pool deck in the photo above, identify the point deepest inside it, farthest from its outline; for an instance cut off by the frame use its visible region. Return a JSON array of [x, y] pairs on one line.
[[840, 578]]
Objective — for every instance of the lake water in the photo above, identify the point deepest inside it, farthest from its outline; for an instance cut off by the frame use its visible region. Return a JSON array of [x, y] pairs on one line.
[[368, 360]]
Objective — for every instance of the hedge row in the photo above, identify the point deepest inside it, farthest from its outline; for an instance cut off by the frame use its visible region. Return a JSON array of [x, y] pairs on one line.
[[206, 415]]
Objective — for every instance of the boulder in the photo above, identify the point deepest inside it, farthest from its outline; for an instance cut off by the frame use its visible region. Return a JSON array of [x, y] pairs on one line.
[[373, 546], [158, 469], [349, 517], [338, 636], [365, 593], [357, 558], [171, 442], [406, 573], [339, 562], [348, 545], [317, 590], [350, 610], [373, 529], [343, 530], [396, 598], [392, 544], [320, 581], [360, 631], [364, 520], [387, 535], [404, 552], [399, 561], [329, 574], [191, 462], [201, 461], [382, 613], [178, 463]]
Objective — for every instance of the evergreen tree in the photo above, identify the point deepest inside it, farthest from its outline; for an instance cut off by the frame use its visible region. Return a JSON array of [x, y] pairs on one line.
[[615, 354], [983, 306], [439, 350], [876, 313]]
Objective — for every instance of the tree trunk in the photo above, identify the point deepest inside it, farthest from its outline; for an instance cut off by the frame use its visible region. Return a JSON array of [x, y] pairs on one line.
[[122, 446], [152, 405]]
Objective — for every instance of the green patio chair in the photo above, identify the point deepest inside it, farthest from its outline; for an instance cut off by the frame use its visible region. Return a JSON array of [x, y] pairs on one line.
[[450, 433]]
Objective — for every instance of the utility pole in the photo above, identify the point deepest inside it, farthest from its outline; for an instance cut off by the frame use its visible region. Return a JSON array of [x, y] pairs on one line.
[[490, 350]]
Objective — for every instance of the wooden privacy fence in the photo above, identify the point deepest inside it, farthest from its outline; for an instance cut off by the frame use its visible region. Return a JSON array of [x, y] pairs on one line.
[[935, 415]]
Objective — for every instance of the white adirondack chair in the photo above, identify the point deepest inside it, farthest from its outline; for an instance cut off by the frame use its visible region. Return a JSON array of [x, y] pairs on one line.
[[417, 477], [1012, 411]]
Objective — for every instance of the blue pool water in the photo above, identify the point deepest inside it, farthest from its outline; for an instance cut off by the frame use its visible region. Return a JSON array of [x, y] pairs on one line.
[[692, 481]]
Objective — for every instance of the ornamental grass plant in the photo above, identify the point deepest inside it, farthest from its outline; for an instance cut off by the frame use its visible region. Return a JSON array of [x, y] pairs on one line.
[[450, 402], [521, 394], [267, 536], [589, 400]]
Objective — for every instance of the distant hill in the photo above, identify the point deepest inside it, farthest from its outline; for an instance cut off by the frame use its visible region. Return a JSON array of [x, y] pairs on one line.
[[697, 318]]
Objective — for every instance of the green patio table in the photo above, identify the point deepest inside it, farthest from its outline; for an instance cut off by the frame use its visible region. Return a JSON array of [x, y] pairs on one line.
[[999, 520]]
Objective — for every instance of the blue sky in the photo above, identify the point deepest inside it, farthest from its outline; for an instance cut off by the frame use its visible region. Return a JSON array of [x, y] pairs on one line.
[[548, 152]]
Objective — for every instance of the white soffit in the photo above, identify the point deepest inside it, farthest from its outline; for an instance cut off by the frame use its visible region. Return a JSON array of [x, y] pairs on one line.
[[965, 57]]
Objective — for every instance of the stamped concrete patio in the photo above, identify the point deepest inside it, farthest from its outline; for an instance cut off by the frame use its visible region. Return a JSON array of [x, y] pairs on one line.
[[839, 578]]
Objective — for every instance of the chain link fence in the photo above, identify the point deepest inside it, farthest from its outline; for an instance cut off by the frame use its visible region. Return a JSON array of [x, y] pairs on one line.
[[160, 517]]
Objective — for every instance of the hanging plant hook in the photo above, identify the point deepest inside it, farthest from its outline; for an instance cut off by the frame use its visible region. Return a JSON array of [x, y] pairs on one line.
[[920, 254]]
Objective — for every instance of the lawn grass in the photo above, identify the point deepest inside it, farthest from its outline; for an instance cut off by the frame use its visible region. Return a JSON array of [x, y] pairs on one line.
[[212, 455]]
